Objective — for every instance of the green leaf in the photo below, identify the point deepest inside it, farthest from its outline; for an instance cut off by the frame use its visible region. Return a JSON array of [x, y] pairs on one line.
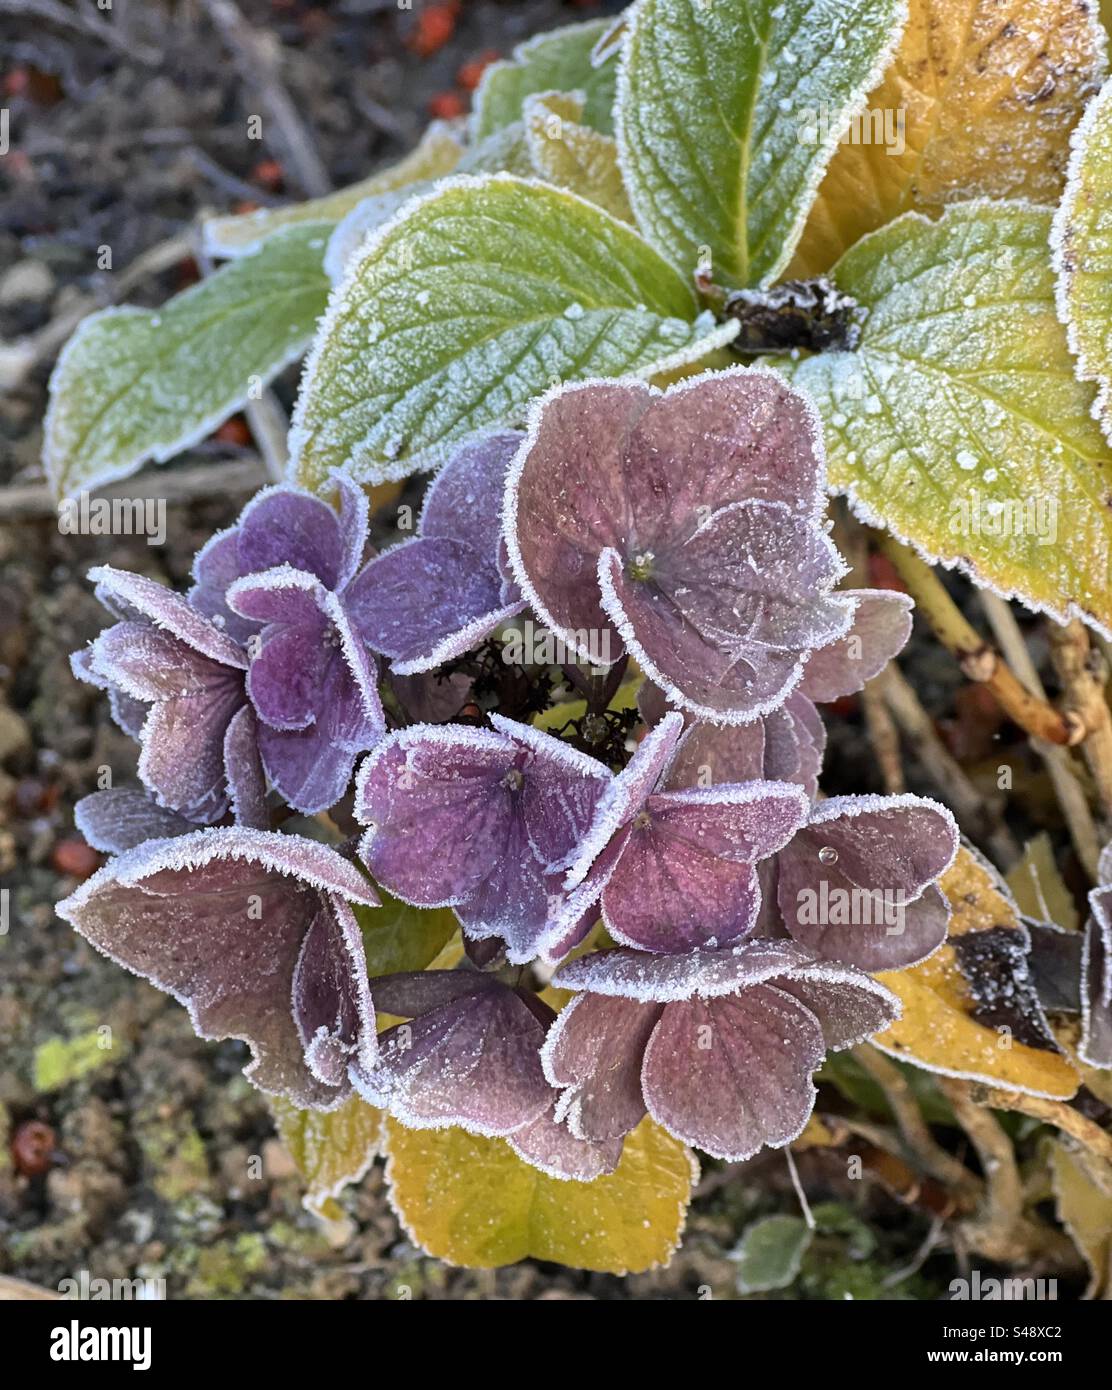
[[728, 114], [958, 423], [1082, 240], [134, 384], [473, 1202], [399, 937], [469, 304], [770, 1253], [438, 154], [559, 61], [331, 1149]]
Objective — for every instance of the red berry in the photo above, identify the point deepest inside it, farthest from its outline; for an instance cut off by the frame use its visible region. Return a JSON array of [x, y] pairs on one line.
[[446, 105], [75, 858], [32, 1148], [234, 431], [435, 26], [471, 74], [269, 173]]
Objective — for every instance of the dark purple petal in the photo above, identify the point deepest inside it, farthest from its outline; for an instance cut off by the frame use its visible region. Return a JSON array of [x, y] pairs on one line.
[[849, 881], [1096, 981], [331, 1001], [288, 672], [215, 568], [474, 1062], [169, 612], [464, 500], [627, 793], [553, 1149], [439, 809], [731, 1075], [218, 919], [685, 877], [243, 769], [354, 520], [119, 818], [428, 698], [1055, 965], [795, 743], [881, 627], [409, 993], [427, 601], [282, 526], [715, 755], [512, 902], [593, 1054], [849, 1005], [656, 978], [278, 595]]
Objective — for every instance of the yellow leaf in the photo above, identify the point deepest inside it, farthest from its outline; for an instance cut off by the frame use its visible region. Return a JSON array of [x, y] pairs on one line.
[[572, 155], [472, 1201], [989, 90], [938, 1031], [331, 1149], [1039, 888], [1083, 1188]]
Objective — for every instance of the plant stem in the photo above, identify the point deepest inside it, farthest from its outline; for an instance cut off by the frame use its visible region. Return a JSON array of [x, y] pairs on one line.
[[1082, 671], [975, 657]]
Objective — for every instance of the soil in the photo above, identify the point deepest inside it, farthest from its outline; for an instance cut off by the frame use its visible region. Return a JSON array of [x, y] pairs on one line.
[[147, 1166]]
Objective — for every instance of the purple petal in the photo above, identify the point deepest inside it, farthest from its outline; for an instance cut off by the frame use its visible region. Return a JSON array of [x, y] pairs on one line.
[[281, 594], [119, 818], [331, 1001], [512, 901], [593, 1054], [426, 601], [553, 1149], [714, 755], [429, 698], [354, 524], [474, 1062], [439, 809], [282, 526], [656, 978], [849, 1005], [244, 771], [849, 881], [218, 920], [795, 742], [215, 568], [881, 627], [1096, 982], [627, 793], [685, 878], [288, 672], [731, 1075], [169, 612], [464, 500], [410, 993]]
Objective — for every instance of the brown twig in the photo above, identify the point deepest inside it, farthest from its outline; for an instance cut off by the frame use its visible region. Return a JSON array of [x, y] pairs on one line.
[[1071, 796], [216, 477], [1084, 675], [56, 13], [1051, 1112], [258, 67], [979, 661]]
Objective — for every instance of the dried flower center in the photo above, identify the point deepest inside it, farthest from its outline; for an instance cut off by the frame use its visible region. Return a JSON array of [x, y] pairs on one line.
[[514, 780], [642, 820], [641, 566], [330, 638]]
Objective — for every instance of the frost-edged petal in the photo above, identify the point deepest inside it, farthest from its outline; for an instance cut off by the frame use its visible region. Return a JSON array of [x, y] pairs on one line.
[[593, 1054], [168, 611], [218, 919], [732, 1075], [119, 818], [331, 1001], [849, 1005], [1096, 982], [881, 627], [464, 500], [657, 978], [553, 1149], [284, 526]]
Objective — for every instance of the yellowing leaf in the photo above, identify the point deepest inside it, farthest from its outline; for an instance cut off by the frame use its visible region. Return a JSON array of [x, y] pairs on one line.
[[473, 1202], [1038, 886], [572, 155], [1082, 240], [331, 1149], [938, 1031], [979, 102], [958, 422], [399, 937], [438, 154], [1083, 1188]]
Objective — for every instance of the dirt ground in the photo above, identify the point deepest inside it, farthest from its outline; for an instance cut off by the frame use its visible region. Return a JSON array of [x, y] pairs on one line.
[[152, 1138]]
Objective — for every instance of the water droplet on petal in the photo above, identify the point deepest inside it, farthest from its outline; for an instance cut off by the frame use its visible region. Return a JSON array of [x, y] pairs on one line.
[[828, 855]]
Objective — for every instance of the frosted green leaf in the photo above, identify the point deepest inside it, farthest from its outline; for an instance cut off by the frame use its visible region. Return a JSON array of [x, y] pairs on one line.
[[572, 155], [560, 61], [958, 423], [728, 114], [135, 384], [331, 1149], [469, 304], [438, 154], [503, 152], [399, 937], [1082, 241], [770, 1253]]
